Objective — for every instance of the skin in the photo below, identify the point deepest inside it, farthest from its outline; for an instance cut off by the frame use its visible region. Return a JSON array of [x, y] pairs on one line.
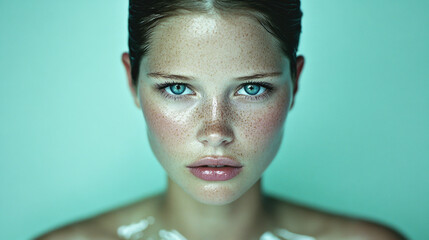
[[214, 117]]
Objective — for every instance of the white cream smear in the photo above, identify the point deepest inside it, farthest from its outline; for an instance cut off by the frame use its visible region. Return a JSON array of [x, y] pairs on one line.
[[292, 236], [135, 231], [170, 235]]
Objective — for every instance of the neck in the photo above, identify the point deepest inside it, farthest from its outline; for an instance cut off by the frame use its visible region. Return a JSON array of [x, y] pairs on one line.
[[244, 218]]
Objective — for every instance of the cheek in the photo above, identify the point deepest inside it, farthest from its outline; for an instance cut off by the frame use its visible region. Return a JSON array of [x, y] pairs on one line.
[[163, 125], [169, 130], [263, 127]]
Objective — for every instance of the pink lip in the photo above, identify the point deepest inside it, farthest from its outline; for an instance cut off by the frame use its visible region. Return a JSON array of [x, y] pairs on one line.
[[230, 169]]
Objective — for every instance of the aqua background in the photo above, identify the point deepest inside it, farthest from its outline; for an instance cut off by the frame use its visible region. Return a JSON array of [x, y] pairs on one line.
[[73, 144]]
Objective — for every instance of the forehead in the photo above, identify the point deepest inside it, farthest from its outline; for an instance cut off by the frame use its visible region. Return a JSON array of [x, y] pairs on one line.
[[212, 44]]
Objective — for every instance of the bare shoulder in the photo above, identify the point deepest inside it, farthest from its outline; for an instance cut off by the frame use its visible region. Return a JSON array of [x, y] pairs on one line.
[[104, 225], [82, 230], [323, 225], [363, 229]]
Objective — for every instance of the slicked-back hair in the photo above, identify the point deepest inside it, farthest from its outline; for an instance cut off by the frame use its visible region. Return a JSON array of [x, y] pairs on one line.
[[281, 18]]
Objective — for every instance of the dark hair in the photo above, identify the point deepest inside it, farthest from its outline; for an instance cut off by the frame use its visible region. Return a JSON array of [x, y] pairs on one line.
[[281, 18]]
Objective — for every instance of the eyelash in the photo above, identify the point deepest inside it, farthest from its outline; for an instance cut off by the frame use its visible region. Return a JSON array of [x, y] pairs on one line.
[[268, 89]]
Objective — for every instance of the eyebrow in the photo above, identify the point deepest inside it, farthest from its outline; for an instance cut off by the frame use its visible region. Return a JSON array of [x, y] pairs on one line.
[[188, 78]]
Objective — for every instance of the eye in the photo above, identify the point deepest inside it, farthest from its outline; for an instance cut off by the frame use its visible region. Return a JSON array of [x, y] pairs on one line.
[[251, 89], [256, 91], [177, 89], [173, 90]]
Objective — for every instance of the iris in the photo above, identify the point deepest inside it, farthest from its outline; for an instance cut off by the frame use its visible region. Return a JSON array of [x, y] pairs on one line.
[[252, 89], [178, 88]]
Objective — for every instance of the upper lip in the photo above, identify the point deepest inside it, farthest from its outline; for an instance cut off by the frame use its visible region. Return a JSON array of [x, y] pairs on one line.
[[216, 161]]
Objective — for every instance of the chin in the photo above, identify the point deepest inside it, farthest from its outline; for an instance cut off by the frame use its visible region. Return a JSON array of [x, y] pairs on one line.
[[220, 193]]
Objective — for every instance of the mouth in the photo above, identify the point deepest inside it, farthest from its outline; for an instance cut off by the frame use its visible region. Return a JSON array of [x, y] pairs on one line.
[[216, 161], [215, 168]]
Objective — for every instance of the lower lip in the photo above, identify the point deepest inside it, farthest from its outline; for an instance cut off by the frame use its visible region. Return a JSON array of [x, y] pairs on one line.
[[215, 174]]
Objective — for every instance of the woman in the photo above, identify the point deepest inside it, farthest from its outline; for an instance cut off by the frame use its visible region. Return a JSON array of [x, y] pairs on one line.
[[215, 81]]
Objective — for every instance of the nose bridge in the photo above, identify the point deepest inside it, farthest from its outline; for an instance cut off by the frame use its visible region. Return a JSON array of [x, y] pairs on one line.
[[217, 111], [215, 129]]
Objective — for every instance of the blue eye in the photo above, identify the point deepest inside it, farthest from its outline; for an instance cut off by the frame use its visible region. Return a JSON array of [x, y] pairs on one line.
[[251, 89], [177, 89]]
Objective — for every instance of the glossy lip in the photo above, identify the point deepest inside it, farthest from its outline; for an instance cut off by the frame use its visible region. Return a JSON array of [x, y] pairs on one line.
[[221, 168], [216, 161], [215, 173]]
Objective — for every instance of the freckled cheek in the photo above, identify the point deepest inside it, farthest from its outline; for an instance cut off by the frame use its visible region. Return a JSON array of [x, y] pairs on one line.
[[164, 126], [265, 124]]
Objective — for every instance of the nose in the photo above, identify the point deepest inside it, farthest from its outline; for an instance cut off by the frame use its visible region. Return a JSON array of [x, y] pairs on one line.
[[215, 135], [216, 130]]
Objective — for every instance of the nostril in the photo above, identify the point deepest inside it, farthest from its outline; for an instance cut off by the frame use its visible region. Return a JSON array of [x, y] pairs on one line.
[[215, 133], [215, 139]]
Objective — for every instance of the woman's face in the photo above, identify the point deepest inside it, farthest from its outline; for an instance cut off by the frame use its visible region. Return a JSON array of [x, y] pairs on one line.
[[211, 108]]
